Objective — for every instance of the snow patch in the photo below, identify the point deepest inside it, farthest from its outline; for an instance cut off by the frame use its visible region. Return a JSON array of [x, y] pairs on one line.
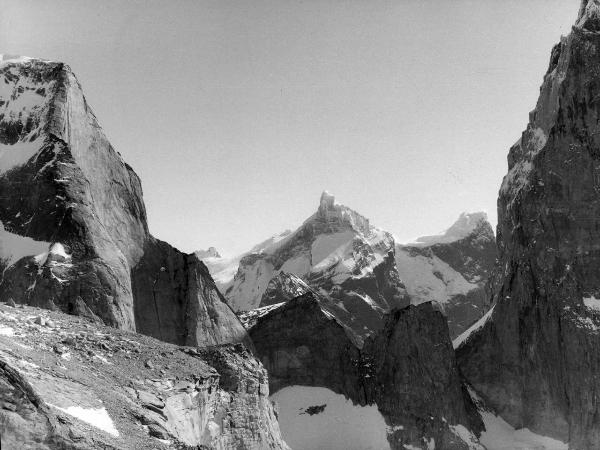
[[56, 249], [14, 247], [341, 425], [330, 249], [462, 338], [466, 436], [247, 290], [98, 418], [6, 331], [5, 59], [270, 245], [538, 139], [299, 266], [463, 227], [518, 176], [592, 303], [499, 435], [428, 278]]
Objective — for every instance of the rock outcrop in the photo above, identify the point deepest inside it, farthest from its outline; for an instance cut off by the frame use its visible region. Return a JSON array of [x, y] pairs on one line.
[[451, 269], [536, 359], [73, 229], [407, 368], [69, 383]]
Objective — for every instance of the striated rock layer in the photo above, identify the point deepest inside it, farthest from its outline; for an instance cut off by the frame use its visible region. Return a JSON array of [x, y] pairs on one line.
[[407, 369], [536, 359], [73, 229]]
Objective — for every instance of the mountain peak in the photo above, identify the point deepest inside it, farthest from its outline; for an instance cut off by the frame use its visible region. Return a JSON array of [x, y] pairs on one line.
[[211, 252], [332, 212], [464, 226], [327, 202]]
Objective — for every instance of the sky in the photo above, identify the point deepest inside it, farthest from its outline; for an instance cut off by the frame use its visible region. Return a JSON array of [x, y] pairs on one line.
[[238, 114]]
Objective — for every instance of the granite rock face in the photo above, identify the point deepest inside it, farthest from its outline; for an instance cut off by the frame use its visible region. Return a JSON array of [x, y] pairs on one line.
[[407, 368], [73, 228], [67, 383], [451, 269], [536, 359]]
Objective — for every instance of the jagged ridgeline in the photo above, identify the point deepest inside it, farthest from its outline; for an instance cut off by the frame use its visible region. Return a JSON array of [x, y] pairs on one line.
[[537, 358], [73, 229], [359, 271], [406, 371]]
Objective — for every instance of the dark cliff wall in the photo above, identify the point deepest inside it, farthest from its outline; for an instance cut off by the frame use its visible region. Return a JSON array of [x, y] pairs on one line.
[[408, 368], [536, 361]]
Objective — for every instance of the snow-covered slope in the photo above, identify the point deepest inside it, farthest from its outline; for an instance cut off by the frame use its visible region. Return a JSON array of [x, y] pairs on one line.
[[464, 226], [465, 335], [336, 252], [313, 417], [500, 435], [223, 268], [451, 269], [24, 104]]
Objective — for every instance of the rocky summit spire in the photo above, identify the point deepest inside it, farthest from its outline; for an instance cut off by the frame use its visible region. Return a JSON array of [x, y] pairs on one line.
[[331, 212], [327, 202]]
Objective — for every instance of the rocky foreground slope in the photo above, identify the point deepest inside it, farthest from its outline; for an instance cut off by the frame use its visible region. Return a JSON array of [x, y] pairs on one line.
[[536, 359], [73, 229], [67, 382]]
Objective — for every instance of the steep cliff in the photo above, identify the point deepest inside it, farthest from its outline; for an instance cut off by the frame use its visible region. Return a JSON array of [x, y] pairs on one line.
[[73, 229], [535, 359], [407, 369]]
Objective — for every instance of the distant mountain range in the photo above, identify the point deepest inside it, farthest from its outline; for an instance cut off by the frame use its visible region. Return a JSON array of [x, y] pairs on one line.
[[361, 271]]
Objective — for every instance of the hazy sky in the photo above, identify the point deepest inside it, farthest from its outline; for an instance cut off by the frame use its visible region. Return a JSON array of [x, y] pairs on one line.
[[237, 114]]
